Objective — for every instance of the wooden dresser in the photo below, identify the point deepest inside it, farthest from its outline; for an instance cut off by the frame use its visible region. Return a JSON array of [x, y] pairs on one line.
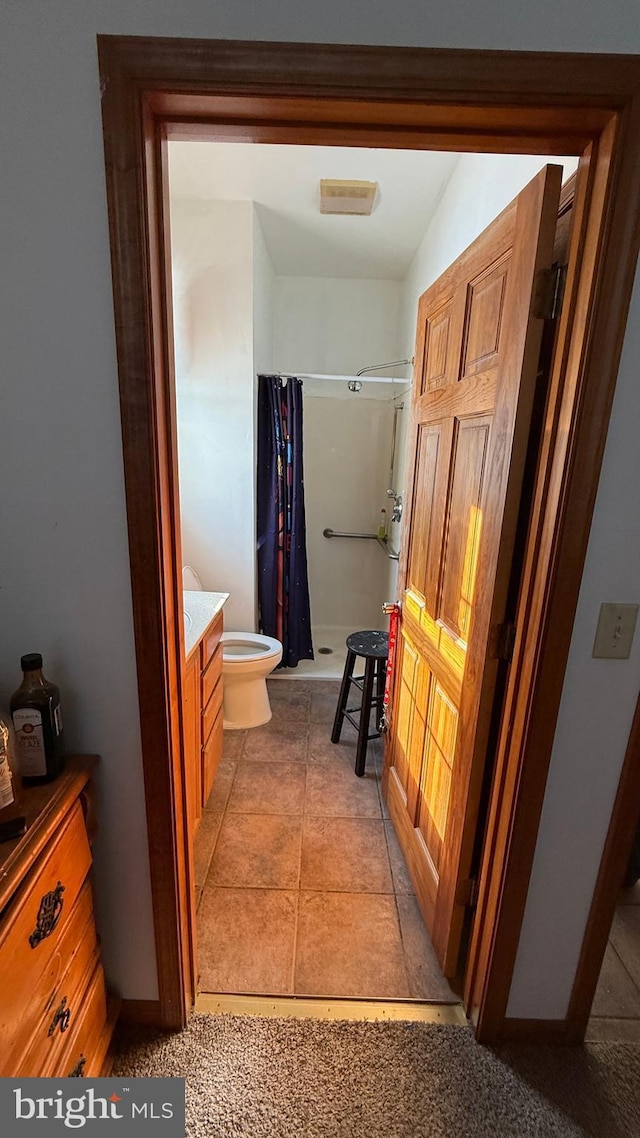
[[202, 688], [55, 1016]]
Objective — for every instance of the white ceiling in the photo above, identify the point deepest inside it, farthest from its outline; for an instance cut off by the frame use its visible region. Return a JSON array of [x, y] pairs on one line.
[[284, 182]]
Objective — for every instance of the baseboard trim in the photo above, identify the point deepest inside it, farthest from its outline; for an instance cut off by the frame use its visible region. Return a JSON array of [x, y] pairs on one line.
[[317, 1008], [534, 1031], [146, 1013]]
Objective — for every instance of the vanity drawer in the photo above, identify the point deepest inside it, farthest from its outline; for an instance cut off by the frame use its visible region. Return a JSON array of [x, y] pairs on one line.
[[211, 711], [211, 755], [59, 981], [34, 925], [212, 675], [211, 640]]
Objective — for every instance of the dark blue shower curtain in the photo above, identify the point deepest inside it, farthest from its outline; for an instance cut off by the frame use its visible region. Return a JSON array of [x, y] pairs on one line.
[[283, 587]]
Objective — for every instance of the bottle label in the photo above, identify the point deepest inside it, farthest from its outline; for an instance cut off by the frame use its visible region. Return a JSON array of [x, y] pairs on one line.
[[30, 739], [6, 782]]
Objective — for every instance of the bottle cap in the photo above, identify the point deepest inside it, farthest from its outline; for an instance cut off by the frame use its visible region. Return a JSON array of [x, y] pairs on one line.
[[31, 661]]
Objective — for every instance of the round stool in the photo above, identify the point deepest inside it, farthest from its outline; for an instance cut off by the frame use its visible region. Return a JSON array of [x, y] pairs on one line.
[[373, 646]]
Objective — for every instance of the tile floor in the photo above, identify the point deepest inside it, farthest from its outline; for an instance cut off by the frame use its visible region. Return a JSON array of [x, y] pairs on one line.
[[615, 1013], [302, 887]]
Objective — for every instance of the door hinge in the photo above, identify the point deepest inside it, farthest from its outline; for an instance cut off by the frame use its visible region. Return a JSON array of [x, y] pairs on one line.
[[504, 639], [467, 893], [548, 292]]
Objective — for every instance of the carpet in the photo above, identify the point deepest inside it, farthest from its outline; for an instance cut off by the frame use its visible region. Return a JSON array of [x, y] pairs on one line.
[[287, 1078]]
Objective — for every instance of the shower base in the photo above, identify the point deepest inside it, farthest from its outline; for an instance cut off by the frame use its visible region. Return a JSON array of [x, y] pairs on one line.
[[327, 665]]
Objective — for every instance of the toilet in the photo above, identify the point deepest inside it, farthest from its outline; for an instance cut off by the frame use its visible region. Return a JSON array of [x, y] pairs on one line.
[[247, 659]]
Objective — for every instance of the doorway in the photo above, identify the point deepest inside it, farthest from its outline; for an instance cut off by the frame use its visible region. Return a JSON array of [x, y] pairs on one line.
[[557, 517], [292, 849]]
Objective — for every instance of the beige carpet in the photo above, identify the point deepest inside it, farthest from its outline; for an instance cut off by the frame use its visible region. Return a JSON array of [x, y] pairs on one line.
[[290, 1078]]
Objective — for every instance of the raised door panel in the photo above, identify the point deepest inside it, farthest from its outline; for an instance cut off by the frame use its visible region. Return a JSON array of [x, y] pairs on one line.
[[484, 319], [463, 530]]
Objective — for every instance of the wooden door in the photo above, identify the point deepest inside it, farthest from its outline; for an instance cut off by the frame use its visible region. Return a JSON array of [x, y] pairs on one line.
[[474, 380]]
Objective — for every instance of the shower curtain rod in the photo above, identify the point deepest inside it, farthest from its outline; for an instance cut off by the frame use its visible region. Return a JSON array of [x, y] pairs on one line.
[[343, 378]]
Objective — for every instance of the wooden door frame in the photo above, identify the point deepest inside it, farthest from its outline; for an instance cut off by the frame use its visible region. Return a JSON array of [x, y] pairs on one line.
[[498, 102]]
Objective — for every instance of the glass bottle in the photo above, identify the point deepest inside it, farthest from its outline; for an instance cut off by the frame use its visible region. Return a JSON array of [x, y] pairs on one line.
[[37, 721], [10, 792]]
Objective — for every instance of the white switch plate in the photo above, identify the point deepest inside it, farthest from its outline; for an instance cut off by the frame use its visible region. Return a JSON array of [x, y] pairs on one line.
[[614, 634]]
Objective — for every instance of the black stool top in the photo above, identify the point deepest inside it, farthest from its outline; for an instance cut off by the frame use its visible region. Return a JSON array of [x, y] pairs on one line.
[[369, 643]]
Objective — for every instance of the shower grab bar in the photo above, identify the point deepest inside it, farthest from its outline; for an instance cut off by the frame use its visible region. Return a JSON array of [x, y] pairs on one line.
[[382, 542], [391, 554], [340, 533]]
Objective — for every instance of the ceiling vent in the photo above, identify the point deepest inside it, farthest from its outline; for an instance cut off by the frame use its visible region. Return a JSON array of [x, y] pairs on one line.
[[338, 196]]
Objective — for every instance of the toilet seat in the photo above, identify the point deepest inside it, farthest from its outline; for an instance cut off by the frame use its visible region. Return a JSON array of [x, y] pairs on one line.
[[244, 648]]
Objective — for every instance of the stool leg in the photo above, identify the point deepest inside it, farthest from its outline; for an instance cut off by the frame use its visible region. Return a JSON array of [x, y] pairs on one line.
[[381, 676], [365, 715], [344, 695]]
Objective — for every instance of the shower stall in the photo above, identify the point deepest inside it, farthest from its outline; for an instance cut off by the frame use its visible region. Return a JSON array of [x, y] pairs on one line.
[[353, 456]]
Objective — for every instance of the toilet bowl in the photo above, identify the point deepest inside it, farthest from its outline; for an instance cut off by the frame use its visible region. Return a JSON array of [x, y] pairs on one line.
[[247, 660]]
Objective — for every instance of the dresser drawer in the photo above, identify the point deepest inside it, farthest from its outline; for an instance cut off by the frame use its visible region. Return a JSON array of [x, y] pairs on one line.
[[35, 923], [56, 1027], [211, 712], [75, 1057], [60, 980], [211, 640], [211, 677]]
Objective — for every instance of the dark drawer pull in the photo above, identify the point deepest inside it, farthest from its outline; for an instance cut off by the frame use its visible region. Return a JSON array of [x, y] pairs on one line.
[[48, 915], [78, 1070], [61, 1018]]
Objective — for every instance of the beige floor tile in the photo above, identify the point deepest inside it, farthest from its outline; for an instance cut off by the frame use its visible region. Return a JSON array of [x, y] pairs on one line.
[[349, 945], [277, 742], [246, 940], [600, 1030], [625, 938], [346, 855], [257, 851], [222, 784], [401, 880], [268, 788], [290, 701], [205, 842], [233, 744], [616, 995], [321, 748], [324, 701], [335, 791], [426, 981]]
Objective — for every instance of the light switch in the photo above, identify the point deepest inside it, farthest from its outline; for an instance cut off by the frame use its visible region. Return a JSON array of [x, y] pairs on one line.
[[614, 634]]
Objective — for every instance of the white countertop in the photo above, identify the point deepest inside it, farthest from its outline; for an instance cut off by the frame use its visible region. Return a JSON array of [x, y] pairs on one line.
[[200, 609]]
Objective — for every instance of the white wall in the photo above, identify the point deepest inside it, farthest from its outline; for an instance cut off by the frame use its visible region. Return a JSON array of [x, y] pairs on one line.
[[335, 325], [65, 571], [347, 446], [264, 283], [213, 255]]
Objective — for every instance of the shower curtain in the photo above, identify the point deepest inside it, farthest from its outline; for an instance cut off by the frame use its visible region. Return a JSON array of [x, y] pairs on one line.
[[283, 587]]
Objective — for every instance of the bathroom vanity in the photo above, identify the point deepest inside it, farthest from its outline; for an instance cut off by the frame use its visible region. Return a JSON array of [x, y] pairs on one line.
[[202, 695]]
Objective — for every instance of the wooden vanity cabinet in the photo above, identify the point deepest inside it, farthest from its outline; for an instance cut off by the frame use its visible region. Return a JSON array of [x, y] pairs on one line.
[[56, 1018], [202, 696]]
